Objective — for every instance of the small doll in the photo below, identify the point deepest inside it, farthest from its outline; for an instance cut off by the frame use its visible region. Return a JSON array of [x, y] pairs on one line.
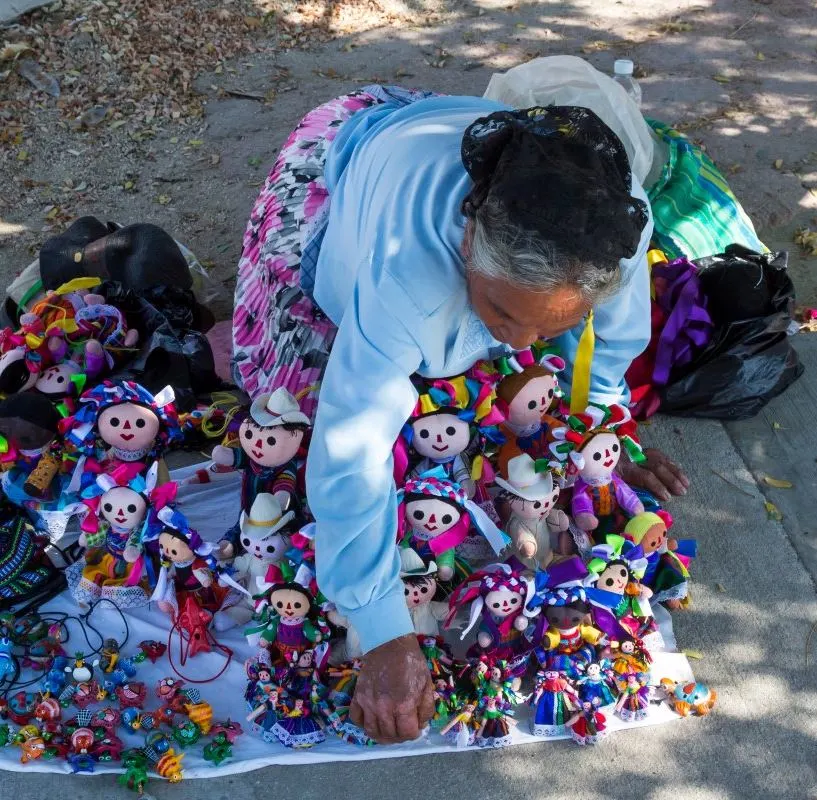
[[445, 430], [527, 392], [437, 655], [597, 683], [588, 725], [287, 621], [269, 441], [667, 559], [634, 701], [264, 542], [554, 699], [527, 509], [298, 727], [631, 659], [494, 729], [122, 421], [498, 595], [113, 530], [592, 441], [435, 516], [419, 586], [461, 728], [188, 566]]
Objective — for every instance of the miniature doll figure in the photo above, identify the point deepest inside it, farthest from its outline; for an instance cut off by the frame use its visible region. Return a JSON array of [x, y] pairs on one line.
[[494, 728], [287, 621], [667, 559], [634, 701], [528, 392], [461, 729], [419, 586], [123, 421], [527, 510], [112, 533], [437, 655], [596, 683], [264, 544], [335, 707], [554, 698], [298, 727], [593, 441], [588, 725], [269, 441], [451, 418], [434, 517], [631, 659], [498, 595]]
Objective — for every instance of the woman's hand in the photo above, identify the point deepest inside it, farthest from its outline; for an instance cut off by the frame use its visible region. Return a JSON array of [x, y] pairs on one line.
[[658, 474], [393, 699]]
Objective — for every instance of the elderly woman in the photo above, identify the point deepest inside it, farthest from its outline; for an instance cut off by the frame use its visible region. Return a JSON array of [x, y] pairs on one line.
[[403, 232]]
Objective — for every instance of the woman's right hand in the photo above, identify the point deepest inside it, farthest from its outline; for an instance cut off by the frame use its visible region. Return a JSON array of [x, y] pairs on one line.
[[394, 698]]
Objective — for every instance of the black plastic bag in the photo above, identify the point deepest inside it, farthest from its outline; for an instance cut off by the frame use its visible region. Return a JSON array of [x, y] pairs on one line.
[[749, 359]]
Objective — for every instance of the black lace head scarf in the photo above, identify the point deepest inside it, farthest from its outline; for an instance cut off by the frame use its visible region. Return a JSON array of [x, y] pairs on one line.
[[559, 173]]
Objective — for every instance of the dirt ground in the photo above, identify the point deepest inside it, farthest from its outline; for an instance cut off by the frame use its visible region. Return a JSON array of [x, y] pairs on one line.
[[737, 75]]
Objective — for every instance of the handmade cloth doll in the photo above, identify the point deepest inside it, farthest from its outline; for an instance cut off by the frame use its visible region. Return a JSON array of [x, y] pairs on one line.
[[554, 699], [269, 441], [667, 559], [588, 725], [494, 729], [461, 728], [435, 516], [497, 595], [265, 542], [634, 700], [527, 392], [631, 659], [592, 441], [450, 421], [419, 585], [597, 683], [527, 509], [65, 380], [113, 533], [123, 421]]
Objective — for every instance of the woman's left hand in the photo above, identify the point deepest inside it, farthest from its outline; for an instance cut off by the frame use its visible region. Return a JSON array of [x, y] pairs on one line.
[[658, 474]]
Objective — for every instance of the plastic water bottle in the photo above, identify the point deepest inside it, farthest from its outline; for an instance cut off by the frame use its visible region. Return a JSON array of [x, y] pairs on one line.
[[623, 74]]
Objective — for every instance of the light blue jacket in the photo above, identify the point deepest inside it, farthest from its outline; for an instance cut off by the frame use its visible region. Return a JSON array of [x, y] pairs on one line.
[[391, 277]]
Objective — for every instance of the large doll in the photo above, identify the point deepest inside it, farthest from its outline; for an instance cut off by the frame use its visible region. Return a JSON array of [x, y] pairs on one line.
[[269, 441], [527, 510], [435, 517], [593, 442], [452, 419], [113, 531]]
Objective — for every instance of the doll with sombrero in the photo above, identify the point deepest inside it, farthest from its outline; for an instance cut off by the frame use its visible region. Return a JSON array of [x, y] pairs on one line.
[[592, 441], [419, 586], [270, 441]]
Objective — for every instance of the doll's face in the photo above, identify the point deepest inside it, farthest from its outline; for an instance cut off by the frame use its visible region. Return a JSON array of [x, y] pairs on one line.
[[533, 509], [56, 380], [431, 515], [174, 549], [128, 426], [565, 617], [503, 602], [614, 578], [123, 507], [418, 594], [270, 549], [269, 446], [496, 674], [299, 704], [601, 454], [586, 705], [551, 674], [263, 675], [654, 539], [628, 648], [532, 401], [440, 435], [306, 659], [593, 670], [289, 603]]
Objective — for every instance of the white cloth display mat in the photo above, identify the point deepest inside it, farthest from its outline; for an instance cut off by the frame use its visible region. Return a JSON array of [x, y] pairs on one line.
[[212, 509]]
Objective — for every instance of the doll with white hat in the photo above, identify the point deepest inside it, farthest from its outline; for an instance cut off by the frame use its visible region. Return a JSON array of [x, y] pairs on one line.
[[419, 585], [265, 540], [527, 508], [269, 441]]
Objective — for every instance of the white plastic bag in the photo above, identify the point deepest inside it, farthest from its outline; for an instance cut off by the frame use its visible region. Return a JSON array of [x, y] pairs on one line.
[[572, 81]]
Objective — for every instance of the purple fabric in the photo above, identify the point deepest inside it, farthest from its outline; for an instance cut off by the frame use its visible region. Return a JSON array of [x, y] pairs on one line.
[[689, 327]]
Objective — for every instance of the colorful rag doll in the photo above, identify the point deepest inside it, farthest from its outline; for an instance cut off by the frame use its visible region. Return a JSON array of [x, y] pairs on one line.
[[554, 699], [495, 712], [667, 559], [592, 441], [287, 621], [269, 441], [123, 422], [452, 419], [597, 683], [419, 586], [588, 725], [497, 595], [461, 727], [113, 532], [631, 659], [265, 541], [435, 517], [634, 701], [527, 510]]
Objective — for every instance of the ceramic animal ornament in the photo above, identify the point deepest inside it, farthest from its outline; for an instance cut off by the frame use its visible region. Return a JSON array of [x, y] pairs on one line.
[[528, 500]]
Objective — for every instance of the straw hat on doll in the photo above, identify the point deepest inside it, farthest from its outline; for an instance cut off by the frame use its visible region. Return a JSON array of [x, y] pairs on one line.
[[278, 408]]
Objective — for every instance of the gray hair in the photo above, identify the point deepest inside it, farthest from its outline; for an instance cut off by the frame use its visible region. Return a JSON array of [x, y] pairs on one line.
[[503, 250]]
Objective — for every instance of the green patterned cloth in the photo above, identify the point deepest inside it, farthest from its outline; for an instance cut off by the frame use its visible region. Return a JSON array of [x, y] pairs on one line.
[[695, 212]]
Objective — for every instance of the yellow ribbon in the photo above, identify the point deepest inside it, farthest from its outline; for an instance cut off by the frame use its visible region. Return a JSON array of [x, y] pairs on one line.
[[654, 256], [78, 283], [582, 366]]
